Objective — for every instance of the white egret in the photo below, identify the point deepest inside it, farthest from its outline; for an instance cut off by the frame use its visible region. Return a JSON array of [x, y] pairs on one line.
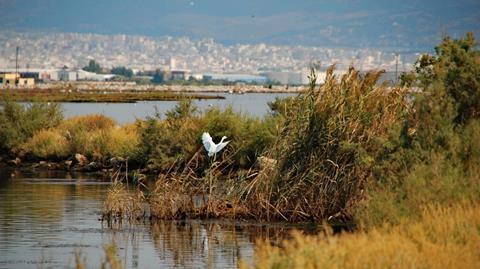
[[210, 146]]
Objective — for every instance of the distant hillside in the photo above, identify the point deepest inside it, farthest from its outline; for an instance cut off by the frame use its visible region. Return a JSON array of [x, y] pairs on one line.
[[415, 24]]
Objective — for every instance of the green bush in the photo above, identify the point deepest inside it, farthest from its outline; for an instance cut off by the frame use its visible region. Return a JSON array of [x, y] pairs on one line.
[[177, 138], [455, 72], [19, 122], [169, 141], [438, 161], [249, 136], [440, 180]]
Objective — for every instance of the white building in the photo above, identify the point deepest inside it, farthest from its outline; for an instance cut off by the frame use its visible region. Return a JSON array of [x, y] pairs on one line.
[[67, 75], [85, 75]]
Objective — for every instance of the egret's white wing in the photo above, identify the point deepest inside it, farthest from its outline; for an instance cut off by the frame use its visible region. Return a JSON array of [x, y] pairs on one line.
[[207, 141], [221, 146]]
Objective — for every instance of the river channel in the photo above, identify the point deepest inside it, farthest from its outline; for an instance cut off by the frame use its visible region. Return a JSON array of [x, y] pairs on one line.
[[46, 217], [253, 104]]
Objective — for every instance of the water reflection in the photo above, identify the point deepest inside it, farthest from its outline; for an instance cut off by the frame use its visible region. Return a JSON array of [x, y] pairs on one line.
[[46, 217]]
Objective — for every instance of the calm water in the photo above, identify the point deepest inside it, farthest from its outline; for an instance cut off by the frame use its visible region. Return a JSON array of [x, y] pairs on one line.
[[46, 217], [254, 104]]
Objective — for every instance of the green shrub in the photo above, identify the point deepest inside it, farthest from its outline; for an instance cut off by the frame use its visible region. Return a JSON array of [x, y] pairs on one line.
[[440, 180], [165, 142], [249, 136], [19, 122], [456, 69], [177, 138], [439, 159]]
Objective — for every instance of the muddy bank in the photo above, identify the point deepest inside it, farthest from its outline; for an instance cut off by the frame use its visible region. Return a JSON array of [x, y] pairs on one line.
[[77, 163]]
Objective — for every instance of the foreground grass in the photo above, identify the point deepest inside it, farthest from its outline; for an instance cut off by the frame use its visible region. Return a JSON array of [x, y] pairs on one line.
[[444, 237]]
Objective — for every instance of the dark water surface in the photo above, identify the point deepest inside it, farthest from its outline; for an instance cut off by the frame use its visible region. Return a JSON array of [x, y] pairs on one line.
[[254, 104], [46, 217]]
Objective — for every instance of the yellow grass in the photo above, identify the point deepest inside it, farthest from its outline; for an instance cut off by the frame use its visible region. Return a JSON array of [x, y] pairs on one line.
[[47, 143], [445, 237], [93, 135], [125, 141], [88, 122]]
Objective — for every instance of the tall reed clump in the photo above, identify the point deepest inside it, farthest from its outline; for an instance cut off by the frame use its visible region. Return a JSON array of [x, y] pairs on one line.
[[445, 237], [333, 137]]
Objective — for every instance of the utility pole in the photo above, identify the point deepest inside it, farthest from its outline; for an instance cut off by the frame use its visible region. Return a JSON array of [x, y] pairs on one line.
[[16, 65]]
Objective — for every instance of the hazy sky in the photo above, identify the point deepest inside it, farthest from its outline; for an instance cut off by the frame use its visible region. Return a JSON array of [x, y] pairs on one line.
[[350, 23]]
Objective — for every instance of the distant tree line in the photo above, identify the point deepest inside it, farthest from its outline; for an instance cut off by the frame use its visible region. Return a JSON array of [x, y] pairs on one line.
[[156, 76], [95, 67], [122, 71]]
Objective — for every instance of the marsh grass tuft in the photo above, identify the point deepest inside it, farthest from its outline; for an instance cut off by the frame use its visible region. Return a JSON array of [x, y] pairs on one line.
[[183, 194], [123, 204]]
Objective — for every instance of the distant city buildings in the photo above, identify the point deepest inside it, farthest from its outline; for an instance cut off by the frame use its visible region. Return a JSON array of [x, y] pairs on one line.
[[29, 77], [185, 58]]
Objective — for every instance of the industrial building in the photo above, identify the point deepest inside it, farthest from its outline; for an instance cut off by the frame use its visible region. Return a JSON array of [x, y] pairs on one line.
[[15, 79]]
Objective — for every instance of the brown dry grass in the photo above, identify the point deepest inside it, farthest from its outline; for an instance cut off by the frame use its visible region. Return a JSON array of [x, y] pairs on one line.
[[445, 237], [123, 204], [182, 194], [87, 122]]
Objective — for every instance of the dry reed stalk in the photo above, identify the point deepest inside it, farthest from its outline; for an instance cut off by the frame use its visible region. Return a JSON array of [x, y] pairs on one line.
[[121, 203]]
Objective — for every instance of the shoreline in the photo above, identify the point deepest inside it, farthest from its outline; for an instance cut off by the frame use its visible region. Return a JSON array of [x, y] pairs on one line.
[[103, 96], [133, 87], [108, 92]]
